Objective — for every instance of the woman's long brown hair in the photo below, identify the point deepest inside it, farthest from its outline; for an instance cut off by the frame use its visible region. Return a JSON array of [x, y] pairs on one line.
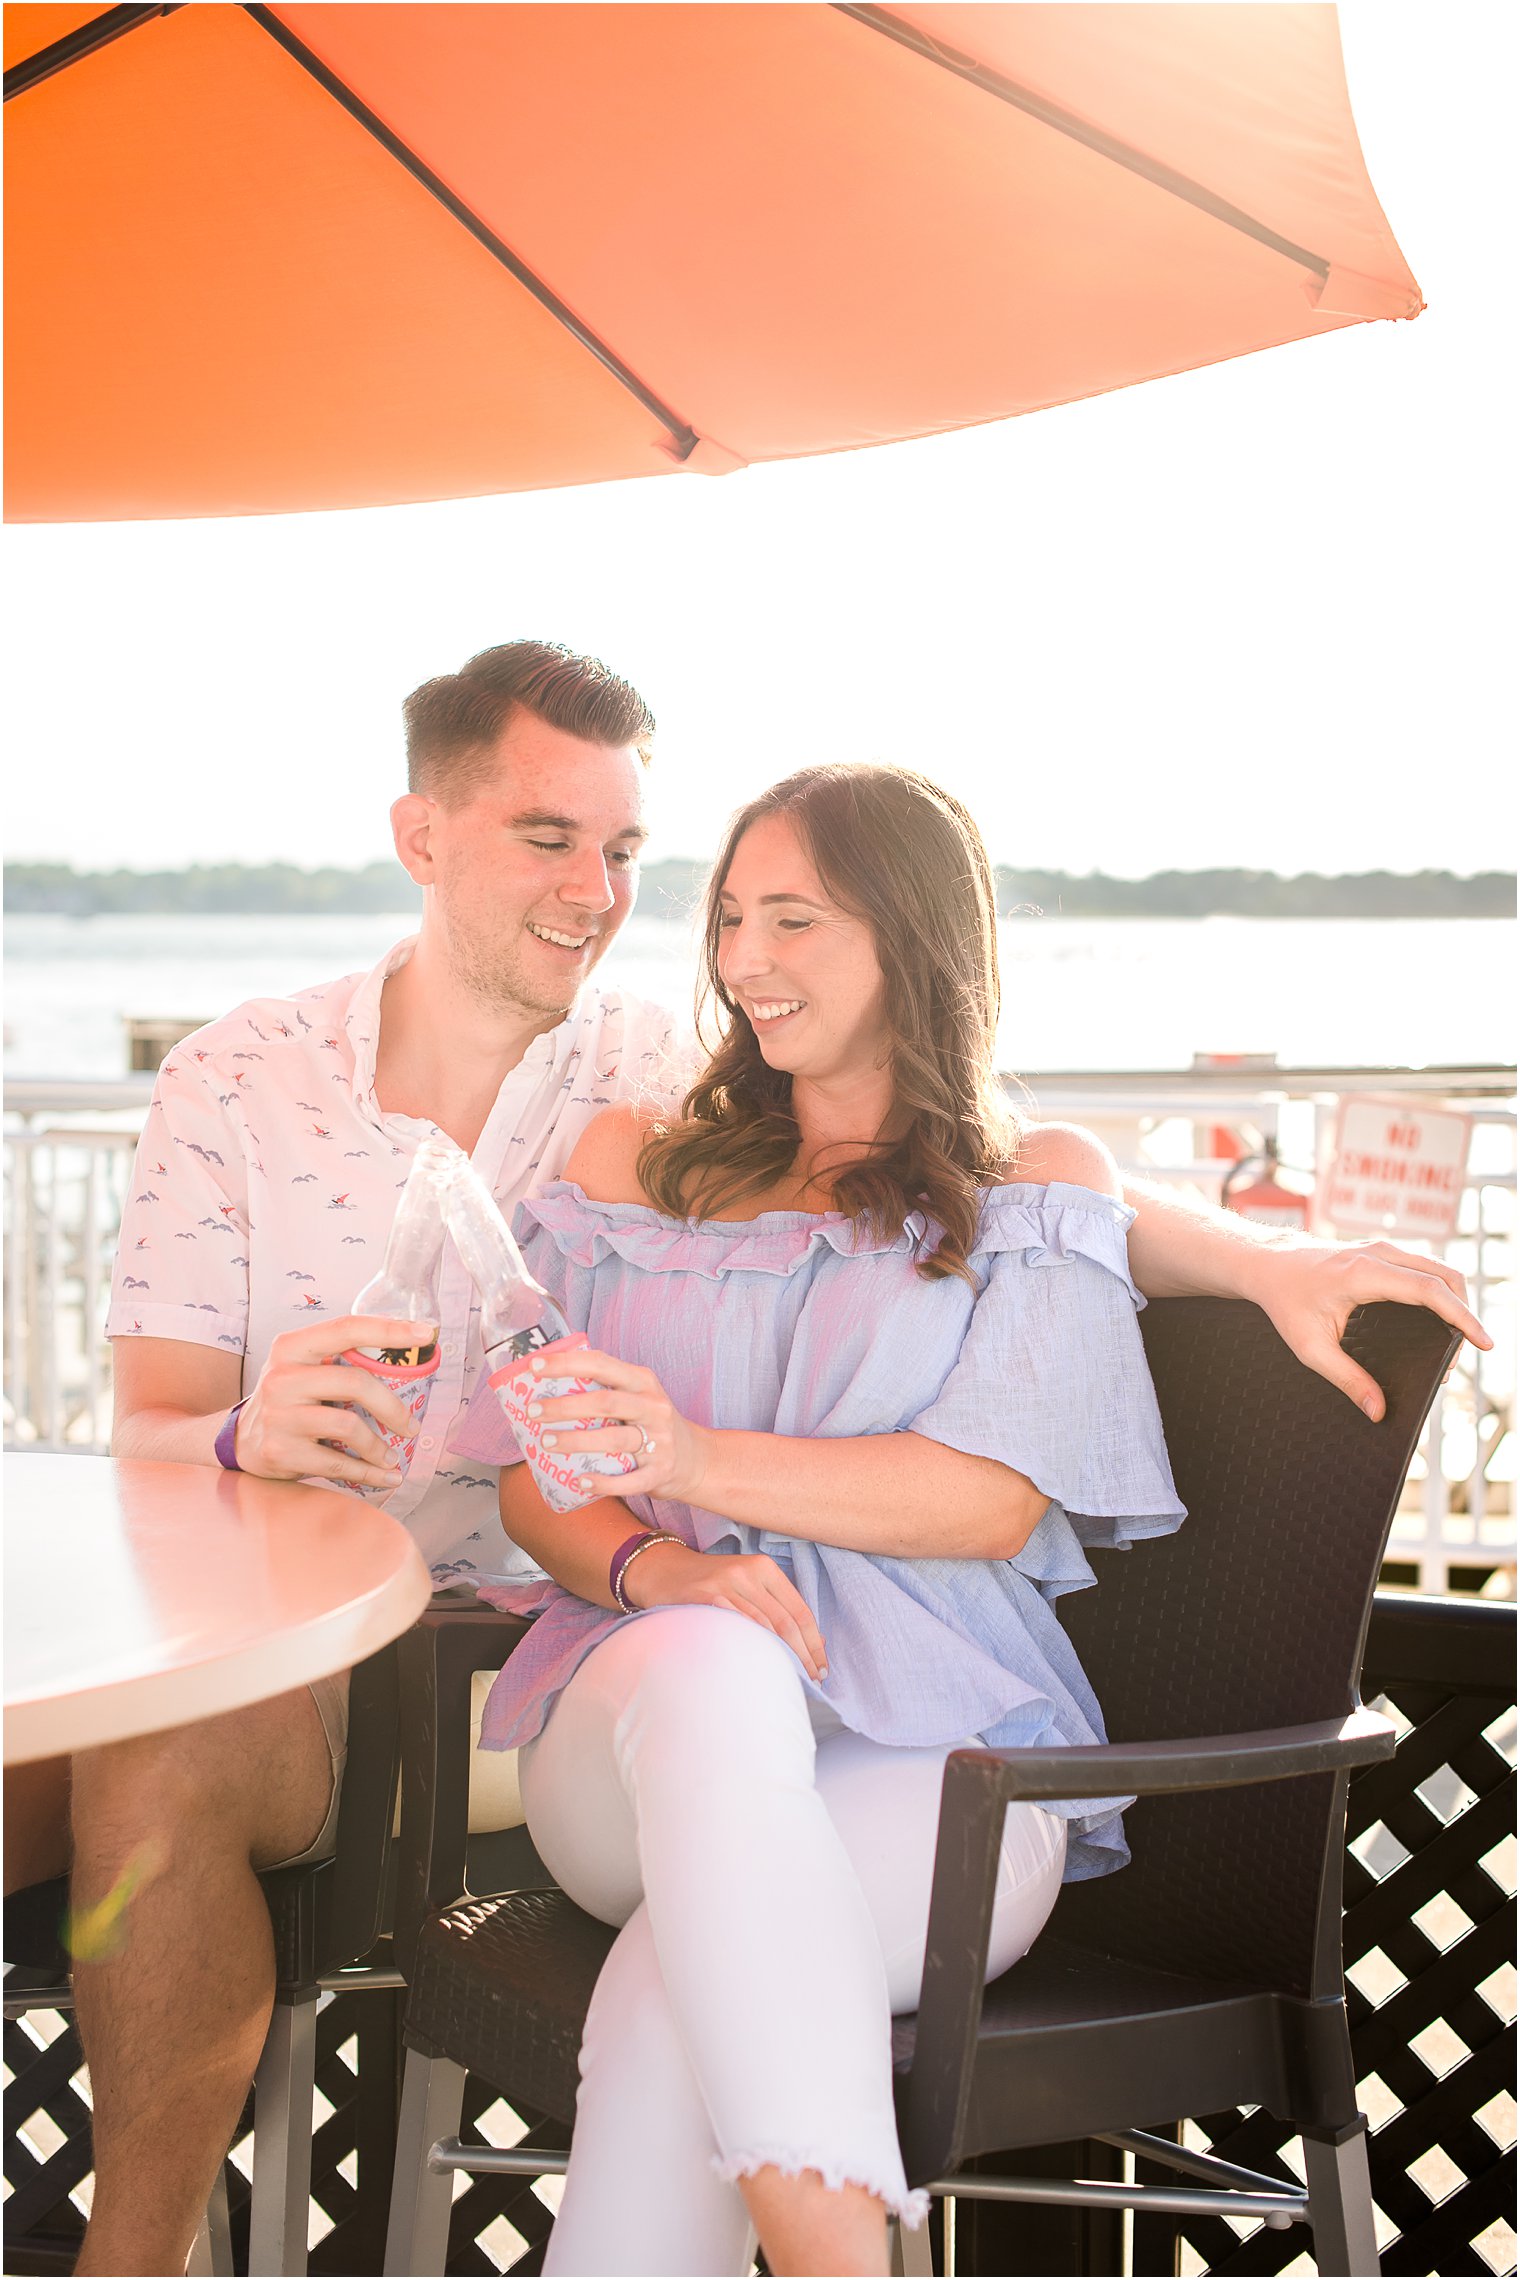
[[895, 850]]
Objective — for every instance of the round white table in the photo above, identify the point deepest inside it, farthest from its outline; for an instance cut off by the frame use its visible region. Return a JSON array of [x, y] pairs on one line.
[[143, 1596]]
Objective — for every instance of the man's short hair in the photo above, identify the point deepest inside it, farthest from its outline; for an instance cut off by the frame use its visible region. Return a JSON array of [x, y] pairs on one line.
[[453, 722]]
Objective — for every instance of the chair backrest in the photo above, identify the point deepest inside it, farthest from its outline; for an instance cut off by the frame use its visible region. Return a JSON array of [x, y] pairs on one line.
[[1253, 1615]]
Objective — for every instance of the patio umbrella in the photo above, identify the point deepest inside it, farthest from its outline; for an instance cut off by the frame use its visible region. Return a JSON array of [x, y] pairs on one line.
[[266, 258]]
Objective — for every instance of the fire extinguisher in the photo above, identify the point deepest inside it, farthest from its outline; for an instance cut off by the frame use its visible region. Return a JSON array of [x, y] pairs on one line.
[[1264, 1198]]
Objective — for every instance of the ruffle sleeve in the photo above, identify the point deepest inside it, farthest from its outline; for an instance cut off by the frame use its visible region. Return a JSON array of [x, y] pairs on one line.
[[1052, 1379]]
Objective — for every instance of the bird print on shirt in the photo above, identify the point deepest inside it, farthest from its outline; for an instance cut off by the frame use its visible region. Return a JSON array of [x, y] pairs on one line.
[[211, 1100]]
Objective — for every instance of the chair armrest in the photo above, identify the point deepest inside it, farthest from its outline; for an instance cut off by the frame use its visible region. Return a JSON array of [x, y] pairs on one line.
[[438, 1658], [979, 1785], [1141, 1769]]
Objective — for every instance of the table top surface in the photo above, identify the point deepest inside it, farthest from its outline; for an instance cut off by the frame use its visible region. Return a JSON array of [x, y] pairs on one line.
[[143, 1596]]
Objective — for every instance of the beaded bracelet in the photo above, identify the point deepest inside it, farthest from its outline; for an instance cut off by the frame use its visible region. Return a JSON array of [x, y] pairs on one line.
[[629, 1551]]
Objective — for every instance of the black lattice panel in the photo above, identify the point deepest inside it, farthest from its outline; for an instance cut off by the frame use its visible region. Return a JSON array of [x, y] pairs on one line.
[[48, 2151], [47, 2142], [353, 2142], [1429, 1939], [502, 2224]]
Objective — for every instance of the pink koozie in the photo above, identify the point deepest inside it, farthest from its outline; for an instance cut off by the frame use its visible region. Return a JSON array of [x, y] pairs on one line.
[[411, 1387], [515, 1386]]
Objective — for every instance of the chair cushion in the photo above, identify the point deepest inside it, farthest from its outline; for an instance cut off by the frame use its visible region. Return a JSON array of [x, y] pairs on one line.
[[1073, 2041], [502, 1987]]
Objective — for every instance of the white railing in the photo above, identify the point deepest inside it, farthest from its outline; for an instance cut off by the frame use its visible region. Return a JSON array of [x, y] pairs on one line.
[[64, 1191], [68, 1156]]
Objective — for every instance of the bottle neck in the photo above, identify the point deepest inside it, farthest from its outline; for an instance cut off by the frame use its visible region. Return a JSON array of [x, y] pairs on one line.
[[520, 1312]]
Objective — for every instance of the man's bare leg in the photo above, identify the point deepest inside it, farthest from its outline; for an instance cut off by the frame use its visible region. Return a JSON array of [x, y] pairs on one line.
[[173, 2023]]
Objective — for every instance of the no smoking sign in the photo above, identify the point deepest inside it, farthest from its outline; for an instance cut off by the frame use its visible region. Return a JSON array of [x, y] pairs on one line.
[[1398, 1169]]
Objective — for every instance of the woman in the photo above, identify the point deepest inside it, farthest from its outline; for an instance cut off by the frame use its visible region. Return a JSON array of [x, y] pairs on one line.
[[875, 1351]]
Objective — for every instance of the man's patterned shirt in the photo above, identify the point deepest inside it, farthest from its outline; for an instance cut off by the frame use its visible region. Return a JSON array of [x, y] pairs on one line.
[[267, 1178]]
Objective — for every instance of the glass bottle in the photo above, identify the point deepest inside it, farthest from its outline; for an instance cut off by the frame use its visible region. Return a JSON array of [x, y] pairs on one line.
[[517, 1319], [406, 1289]]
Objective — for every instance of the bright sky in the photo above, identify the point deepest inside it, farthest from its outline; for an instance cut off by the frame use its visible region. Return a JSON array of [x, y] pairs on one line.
[[1253, 615]]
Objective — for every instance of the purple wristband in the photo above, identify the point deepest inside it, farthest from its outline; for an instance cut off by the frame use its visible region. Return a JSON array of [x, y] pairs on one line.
[[620, 1559], [226, 1440], [629, 1550]]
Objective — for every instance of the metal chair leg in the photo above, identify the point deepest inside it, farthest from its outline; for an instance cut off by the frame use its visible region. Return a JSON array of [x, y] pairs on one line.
[[282, 2121], [1340, 2205], [211, 2255], [432, 2100], [911, 2254]]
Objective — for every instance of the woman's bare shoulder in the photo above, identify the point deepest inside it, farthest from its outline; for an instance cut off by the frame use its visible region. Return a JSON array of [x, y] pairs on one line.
[[604, 1163], [1065, 1152]]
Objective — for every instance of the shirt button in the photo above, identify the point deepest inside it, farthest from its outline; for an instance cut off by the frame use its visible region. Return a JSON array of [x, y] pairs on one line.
[[450, 1348], [426, 1442]]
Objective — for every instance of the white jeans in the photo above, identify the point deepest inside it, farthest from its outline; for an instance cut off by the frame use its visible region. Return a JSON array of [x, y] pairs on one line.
[[773, 1894]]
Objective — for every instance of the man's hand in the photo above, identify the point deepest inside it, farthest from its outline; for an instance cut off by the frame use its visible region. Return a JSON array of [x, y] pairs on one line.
[[289, 1430], [1308, 1290]]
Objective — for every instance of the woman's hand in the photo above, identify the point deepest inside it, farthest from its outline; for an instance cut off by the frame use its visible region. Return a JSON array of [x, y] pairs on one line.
[[749, 1584], [636, 1418], [1309, 1289]]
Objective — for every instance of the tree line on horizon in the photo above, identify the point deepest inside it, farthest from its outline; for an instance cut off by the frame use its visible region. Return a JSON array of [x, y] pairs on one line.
[[672, 889]]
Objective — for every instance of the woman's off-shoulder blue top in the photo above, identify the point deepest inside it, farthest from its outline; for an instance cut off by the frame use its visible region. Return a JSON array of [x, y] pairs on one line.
[[806, 1325]]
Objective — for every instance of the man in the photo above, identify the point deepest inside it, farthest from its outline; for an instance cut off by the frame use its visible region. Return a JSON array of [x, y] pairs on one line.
[[265, 1185]]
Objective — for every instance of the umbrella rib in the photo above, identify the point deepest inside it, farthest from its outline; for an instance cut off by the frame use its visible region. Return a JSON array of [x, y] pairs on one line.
[[683, 437], [88, 39], [1068, 123]]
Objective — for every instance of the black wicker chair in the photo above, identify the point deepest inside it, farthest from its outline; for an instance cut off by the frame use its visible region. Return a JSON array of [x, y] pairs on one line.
[[1206, 1975], [325, 1916]]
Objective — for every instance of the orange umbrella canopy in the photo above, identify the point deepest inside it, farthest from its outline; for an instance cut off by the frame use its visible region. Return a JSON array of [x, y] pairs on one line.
[[339, 255]]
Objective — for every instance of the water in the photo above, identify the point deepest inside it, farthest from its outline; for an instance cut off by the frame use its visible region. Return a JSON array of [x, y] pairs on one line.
[[1078, 993]]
